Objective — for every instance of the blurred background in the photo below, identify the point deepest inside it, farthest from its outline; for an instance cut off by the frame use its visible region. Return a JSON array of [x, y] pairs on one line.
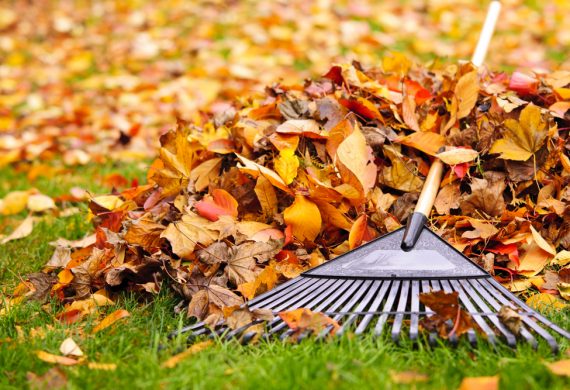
[[89, 80]]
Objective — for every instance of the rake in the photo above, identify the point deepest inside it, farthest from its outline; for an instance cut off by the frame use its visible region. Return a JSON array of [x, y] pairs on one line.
[[378, 284]]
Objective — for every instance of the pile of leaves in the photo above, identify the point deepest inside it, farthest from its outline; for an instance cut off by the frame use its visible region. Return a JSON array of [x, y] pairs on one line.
[[83, 82], [240, 202]]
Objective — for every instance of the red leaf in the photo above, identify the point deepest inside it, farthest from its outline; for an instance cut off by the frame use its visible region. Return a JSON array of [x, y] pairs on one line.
[[510, 249], [461, 169], [220, 203], [335, 74], [523, 83]]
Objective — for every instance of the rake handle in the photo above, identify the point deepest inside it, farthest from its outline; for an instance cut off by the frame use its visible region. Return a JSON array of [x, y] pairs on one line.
[[419, 217]]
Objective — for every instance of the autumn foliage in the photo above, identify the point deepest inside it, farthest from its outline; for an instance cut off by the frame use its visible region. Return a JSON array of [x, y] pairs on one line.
[[242, 201]]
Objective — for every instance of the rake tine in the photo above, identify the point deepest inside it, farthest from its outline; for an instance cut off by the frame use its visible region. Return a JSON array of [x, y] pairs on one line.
[[288, 284], [361, 306], [426, 288], [242, 329], [453, 339], [479, 319], [292, 302], [387, 307], [511, 339], [190, 328], [414, 320], [536, 315], [489, 298], [304, 284], [331, 298], [504, 298], [397, 326], [373, 307]]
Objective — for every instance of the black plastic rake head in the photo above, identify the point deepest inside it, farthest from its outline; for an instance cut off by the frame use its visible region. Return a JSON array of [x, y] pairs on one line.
[[375, 288]]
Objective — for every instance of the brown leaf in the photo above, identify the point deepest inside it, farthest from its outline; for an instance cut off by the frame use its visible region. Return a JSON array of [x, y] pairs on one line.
[[189, 231], [486, 196], [54, 378], [266, 196], [198, 306], [304, 320], [447, 199], [446, 307], [511, 319], [146, 233]]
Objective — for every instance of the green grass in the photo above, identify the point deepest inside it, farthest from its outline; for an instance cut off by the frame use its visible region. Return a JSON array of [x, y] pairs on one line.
[[138, 345]]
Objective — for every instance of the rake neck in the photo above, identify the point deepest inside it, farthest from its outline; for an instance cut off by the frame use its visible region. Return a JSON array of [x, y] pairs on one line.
[[419, 217]]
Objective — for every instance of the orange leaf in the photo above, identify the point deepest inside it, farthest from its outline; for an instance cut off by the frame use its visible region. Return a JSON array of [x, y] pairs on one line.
[[111, 319], [426, 141], [303, 319], [304, 218], [360, 232], [221, 204], [480, 383], [56, 359], [174, 360], [561, 367]]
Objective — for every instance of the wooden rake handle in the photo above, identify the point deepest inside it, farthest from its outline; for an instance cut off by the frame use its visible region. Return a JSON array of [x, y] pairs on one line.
[[419, 217]]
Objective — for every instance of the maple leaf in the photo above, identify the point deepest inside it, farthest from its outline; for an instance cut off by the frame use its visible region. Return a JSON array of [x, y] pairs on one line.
[[522, 138], [188, 232], [304, 320]]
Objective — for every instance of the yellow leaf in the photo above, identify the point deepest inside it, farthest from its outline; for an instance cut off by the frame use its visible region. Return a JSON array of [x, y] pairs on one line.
[[304, 218], [408, 377], [562, 258], [397, 63], [51, 358], [14, 202], [523, 138], [102, 366], [357, 157], [467, 92], [480, 383], [534, 259], [561, 367], [544, 301], [286, 165], [174, 360], [111, 319]]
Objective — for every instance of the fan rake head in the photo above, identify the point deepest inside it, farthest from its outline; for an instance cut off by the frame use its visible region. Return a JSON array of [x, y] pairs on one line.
[[365, 292]]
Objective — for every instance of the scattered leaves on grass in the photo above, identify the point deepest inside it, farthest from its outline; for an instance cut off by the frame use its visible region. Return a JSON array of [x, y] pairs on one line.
[[194, 349]]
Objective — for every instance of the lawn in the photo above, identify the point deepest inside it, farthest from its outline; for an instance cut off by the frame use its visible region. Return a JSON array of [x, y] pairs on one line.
[[138, 345]]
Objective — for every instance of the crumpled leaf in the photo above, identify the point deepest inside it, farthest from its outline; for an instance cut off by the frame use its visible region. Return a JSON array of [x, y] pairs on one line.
[[446, 307], [304, 320], [511, 319], [486, 196], [401, 175], [524, 138]]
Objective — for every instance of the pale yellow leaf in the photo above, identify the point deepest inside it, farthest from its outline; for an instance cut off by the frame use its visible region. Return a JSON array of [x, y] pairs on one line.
[[188, 232], [541, 242], [56, 359], [266, 196], [70, 347], [544, 301], [23, 230], [40, 202], [357, 157], [454, 156], [14, 203], [255, 170]]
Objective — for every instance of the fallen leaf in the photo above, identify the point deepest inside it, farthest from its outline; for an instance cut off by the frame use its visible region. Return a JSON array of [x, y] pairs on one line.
[[194, 349], [449, 318], [24, 229], [286, 165], [304, 320], [510, 318], [102, 366], [454, 156], [55, 359], [304, 217], [480, 383], [354, 154], [426, 141], [544, 301], [69, 347], [467, 92], [40, 202], [266, 196], [561, 367], [408, 377], [220, 203], [14, 202], [524, 138], [110, 320], [54, 378], [188, 232]]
